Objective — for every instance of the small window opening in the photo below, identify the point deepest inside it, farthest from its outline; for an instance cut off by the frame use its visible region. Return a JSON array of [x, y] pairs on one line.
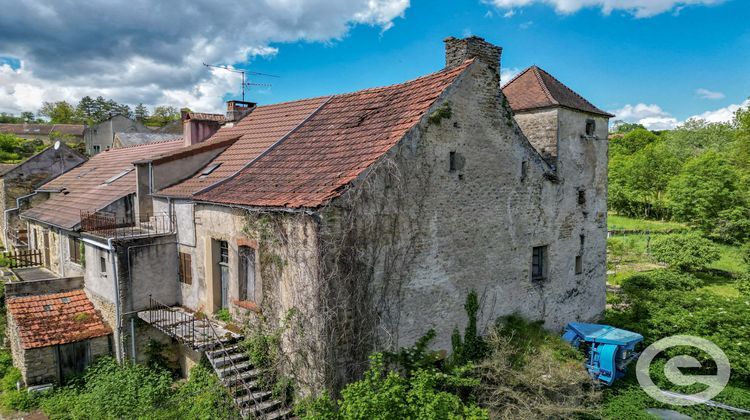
[[223, 252], [118, 176], [590, 127], [539, 263], [583, 241], [452, 162], [102, 264], [524, 169], [210, 168], [581, 196], [579, 264], [186, 268]]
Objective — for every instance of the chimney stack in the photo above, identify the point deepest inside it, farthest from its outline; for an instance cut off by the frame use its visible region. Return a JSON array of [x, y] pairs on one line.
[[459, 50], [197, 126], [236, 110]]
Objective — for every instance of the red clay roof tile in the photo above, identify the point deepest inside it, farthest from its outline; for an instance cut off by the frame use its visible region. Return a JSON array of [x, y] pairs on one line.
[[332, 141], [534, 88], [85, 186], [56, 318]]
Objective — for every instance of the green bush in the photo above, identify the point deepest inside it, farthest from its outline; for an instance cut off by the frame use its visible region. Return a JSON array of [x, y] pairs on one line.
[[385, 394], [686, 252], [223, 314], [743, 284], [472, 347], [745, 252], [660, 280]]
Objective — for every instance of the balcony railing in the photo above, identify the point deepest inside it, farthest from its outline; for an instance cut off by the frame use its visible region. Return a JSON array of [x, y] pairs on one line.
[[108, 225]]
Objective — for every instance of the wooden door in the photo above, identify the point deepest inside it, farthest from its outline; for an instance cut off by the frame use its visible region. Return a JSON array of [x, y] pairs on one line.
[[73, 359]]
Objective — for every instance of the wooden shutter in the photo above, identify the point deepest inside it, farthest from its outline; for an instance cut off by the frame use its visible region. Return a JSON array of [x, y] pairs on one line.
[[186, 268]]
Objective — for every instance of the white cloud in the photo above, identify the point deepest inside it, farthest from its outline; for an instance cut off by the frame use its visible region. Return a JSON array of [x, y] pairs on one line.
[[654, 117], [638, 8], [709, 94], [650, 116], [135, 52], [526, 25], [508, 73], [725, 114], [509, 14]]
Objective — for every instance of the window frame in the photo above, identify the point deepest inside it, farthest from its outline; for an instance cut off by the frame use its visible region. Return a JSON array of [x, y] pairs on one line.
[[540, 259], [185, 268], [590, 122], [74, 250]]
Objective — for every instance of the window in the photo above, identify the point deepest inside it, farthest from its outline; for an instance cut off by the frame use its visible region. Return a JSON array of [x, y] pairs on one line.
[[186, 268], [524, 169], [223, 252], [583, 241], [452, 161], [590, 127], [74, 249], [247, 273], [581, 196], [118, 176], [97, 148], [210, 168], [539, 263], [579, 264], [103, 265]]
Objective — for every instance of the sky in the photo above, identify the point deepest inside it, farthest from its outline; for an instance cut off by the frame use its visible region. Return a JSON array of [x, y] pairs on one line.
[[656, 62]]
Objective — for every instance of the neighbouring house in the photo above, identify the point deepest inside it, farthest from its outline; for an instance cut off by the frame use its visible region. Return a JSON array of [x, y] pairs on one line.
[[47, 133], [19, 182], [55, 336], [100, 137], [134, 139], [353, 222]]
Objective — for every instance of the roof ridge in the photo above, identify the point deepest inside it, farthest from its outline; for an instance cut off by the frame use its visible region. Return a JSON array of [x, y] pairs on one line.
[[513, 79], [143, 145], [544, 85]]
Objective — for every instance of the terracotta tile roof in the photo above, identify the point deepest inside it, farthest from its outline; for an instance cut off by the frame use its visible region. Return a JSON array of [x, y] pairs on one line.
[[337, 143], [42, 129], [86, 187], [534, 88], [253, 134], [56, 318]]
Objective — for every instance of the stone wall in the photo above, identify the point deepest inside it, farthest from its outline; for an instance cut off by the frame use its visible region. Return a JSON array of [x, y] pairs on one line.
[[540, 128]]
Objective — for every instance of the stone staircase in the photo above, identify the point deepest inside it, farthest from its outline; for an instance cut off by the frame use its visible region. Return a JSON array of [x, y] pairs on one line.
[[235, 371]]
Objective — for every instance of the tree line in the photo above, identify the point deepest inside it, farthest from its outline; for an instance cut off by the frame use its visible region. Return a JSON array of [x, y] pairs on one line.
[[92, 111], [697, 173]]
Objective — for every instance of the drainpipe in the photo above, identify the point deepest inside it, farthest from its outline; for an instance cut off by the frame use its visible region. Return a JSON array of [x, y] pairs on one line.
[[118, 309], [61, 263], [18, 206]]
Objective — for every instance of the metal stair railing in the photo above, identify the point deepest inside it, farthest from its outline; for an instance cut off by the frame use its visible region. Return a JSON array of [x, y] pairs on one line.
[[235, 370]]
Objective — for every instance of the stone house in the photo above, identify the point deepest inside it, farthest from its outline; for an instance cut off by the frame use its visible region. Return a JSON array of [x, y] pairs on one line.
[[100, 137], [357, 222], [18, 184], [54, 336], [371, 215]]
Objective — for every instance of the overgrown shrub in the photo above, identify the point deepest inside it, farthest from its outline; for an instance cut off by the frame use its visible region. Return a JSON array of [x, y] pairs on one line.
[[743, 284], [745, 252], [660, 280], [686, 252], [385, 394], [223, 314], [472, 347], [531, 373]]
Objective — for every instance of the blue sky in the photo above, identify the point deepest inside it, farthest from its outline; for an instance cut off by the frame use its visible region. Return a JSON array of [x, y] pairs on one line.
[[613, 60], [658, 62]]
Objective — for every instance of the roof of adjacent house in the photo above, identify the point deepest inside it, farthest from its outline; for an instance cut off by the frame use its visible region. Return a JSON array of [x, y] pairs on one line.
[[56, 318], [43, 129], [6, 167], [203, 116], [534, 88], [133, 139], [302, 153], [85, 187]]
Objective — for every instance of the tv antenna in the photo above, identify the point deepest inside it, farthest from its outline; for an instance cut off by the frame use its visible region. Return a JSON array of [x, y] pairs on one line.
[[243, 73]]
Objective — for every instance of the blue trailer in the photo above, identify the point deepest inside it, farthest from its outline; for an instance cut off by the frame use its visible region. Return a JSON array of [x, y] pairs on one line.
[[608, 349]]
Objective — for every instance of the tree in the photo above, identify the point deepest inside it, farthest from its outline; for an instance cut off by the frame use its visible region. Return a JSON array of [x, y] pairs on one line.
[[28, 117], [707, 185], [631, 142], [141, 112], [60, 112], [687, 252], [163, 115], [625, 127]]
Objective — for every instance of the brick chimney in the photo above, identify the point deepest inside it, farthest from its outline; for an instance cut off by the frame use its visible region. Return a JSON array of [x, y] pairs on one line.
[[197, 127], [236, 110], [459, 50]]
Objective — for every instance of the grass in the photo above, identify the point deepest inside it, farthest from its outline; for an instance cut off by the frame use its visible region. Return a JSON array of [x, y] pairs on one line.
[[730, 260], [622, 222]]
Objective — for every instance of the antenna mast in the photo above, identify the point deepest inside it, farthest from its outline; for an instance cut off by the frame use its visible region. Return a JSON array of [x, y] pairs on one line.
[[243, 73]]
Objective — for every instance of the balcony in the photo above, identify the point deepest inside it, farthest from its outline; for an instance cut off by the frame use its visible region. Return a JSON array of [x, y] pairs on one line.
[[108, 225]]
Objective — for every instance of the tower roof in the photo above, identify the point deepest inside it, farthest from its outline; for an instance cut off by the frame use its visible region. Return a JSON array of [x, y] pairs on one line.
[[534, 88]]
